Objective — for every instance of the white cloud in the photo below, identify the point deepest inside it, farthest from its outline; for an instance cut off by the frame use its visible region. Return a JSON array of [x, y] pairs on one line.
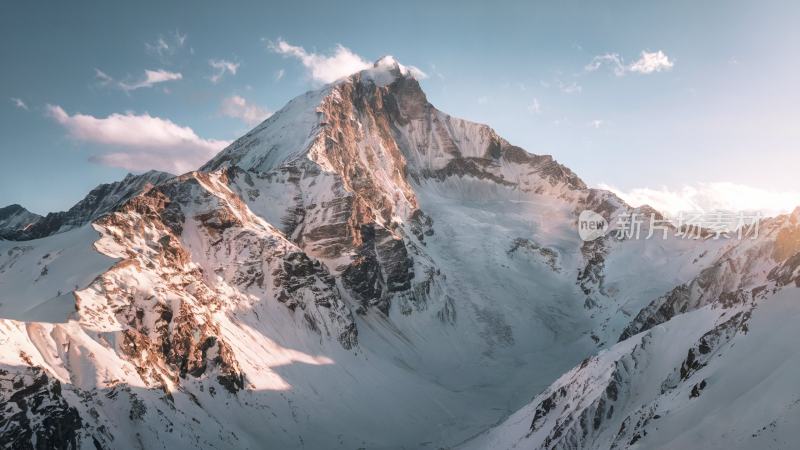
[[158, 47], [651, 62], [279, 74], [648, 62], [323, 68], [416, 72], [222, 67], [151, 77], [389, 62], [19, 103], [238, 108], [139, 142], [343, 62], [710, 197], [166, 47], [596, 124], [535, 107]]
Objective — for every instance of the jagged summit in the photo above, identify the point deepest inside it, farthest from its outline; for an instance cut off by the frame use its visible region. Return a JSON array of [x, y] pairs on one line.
[[387, 70], [24, 225], [385, 110], [388, 61], [153, 176], [294, 129], [14, 218]]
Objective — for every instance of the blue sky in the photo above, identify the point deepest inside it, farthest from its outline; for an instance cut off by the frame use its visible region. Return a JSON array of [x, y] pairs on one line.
[[662, 101]]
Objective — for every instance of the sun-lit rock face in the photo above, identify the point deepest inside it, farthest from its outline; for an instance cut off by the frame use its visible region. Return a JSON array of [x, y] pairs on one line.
[[348, 182], [360, 270], [18, 224]]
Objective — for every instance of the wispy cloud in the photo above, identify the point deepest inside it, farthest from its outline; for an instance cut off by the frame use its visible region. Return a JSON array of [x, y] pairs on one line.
[[151, 78], [612, 60], [165, 47], [534, 107], [239, 108], [19, 103], [436, 72], [566, 87], [710, 197], [323, 68], [103, 78], [596, 124], [416, 72], [569, 88], [222, 67], [279, 74], [139, 142], [648, 62]]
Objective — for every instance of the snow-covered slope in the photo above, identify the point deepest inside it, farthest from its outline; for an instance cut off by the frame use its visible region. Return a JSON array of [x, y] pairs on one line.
[[38, 278], [713, 378], [712, 368], [360, 270]]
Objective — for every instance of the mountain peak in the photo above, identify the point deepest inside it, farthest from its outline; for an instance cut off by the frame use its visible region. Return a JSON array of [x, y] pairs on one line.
[[11, 209], [387, 69], [379, 120], [386, 61], [15, 217], [156, 176], [795, 215]]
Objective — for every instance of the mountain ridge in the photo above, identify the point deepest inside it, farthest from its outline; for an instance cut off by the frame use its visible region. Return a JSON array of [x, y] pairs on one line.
[[357, 252], [99, 201]]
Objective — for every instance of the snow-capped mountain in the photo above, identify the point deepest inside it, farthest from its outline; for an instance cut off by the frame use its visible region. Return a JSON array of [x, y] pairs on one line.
[[14, 218], [707, 365], [361, 270]]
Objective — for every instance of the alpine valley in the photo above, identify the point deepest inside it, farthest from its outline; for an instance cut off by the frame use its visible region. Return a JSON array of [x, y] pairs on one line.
[[362, 270]]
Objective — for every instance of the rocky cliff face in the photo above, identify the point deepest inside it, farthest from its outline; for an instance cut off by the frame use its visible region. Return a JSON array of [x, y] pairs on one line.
[[359, 270], [354, 178]]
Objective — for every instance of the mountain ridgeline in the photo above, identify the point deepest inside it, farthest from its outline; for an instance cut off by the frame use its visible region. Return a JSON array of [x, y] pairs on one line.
[[362, 270]]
